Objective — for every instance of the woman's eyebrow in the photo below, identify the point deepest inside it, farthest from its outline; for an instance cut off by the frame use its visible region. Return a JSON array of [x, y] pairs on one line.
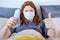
[[26, 10]]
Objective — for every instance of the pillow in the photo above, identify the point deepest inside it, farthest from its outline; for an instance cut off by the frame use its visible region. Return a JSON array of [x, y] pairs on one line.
[[7, 12], [55, 11]]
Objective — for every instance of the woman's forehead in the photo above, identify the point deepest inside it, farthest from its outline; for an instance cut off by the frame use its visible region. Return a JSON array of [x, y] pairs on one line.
[[28, 8]]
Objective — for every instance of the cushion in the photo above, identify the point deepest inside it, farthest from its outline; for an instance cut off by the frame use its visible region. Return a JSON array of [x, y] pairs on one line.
[[7, 12], [54, 10]]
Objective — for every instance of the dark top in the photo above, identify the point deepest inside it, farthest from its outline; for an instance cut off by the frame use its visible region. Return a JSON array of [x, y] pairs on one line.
[[40, 28]]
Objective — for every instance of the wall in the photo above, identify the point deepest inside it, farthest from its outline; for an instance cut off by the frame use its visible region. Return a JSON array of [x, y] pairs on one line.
[[18, 3]]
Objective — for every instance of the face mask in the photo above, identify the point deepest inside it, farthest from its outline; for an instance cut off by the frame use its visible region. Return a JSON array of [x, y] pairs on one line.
[[29, 15]]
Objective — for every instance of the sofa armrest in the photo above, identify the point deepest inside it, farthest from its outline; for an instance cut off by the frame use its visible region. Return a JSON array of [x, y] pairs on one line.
[[3, 22]]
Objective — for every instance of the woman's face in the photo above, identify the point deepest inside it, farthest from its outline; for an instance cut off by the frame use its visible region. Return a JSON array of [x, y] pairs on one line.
[[29, 13]]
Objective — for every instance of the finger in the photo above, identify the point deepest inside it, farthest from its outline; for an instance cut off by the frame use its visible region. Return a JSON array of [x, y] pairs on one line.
[[49, 15], [9, 25], [14, 21], [14, 18]]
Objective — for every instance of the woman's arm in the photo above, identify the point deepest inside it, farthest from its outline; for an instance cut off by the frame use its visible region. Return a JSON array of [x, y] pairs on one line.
[[5, 32], [48, 31]]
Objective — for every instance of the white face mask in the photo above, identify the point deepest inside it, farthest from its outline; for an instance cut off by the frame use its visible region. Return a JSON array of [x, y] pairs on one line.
[[29, 15]]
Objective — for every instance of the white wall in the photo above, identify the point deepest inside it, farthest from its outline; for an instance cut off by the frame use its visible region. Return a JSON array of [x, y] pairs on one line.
[[18, 3]]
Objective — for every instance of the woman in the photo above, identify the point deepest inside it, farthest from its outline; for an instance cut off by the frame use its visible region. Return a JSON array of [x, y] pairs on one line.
[[29, 19]]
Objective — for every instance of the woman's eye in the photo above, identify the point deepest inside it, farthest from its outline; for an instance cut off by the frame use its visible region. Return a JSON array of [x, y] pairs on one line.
[[31, 10], [26, 10]]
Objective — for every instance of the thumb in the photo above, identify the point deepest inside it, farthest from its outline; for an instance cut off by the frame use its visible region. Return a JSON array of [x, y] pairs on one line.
[[49, 15]]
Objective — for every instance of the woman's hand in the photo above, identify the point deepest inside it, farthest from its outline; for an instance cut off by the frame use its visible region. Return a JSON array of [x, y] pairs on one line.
[[52, 32], [5, 32], [12, 22]]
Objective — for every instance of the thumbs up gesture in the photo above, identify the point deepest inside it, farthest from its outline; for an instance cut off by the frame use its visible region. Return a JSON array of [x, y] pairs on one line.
[[48, 21], [52, 32], [49, 16]]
